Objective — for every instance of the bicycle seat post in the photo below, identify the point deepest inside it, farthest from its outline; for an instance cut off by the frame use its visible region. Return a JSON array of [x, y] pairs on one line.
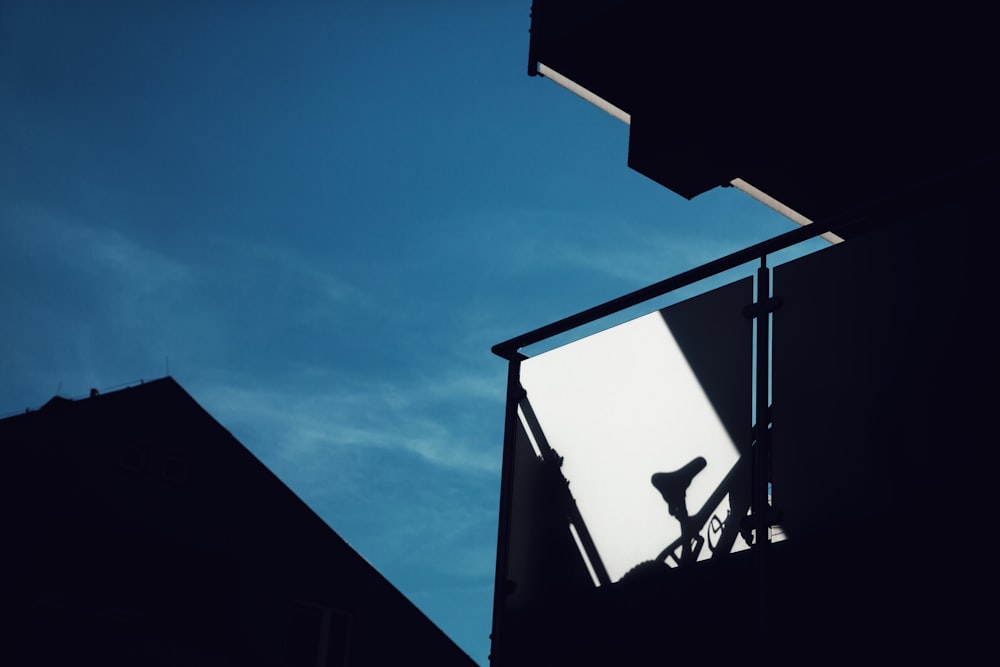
[[673, 487]]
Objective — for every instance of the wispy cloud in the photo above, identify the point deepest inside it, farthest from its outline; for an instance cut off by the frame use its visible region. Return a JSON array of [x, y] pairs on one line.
[[54, 242], [80, 299], [278, 267], [402, 469], [633, 251], [437, 418]]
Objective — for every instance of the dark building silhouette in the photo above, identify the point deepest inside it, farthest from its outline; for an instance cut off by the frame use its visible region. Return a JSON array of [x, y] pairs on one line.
[[139, 531], [875, 451]]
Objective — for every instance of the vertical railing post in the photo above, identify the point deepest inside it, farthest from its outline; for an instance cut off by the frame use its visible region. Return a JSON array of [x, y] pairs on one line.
[[762, 448], [500, 584]]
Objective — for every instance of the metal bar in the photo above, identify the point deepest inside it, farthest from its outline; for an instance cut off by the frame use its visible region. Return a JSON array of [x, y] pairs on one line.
[[553, 463], [509, 348], [760, 458]]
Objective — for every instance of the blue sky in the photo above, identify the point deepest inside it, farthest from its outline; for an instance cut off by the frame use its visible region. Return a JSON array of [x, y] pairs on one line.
[[320, 216]]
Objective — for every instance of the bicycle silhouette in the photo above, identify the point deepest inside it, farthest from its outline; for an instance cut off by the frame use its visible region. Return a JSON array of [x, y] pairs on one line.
[[673, 486]]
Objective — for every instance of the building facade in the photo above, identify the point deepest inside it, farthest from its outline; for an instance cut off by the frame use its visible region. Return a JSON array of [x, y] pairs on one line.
[[139, 531], [845, 523]]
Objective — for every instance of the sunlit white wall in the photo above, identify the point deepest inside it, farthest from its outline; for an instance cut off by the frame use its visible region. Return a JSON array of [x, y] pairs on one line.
[[619, 406]]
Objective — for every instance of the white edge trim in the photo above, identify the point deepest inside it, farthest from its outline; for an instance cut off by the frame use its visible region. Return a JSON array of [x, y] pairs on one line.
[[776, 205], [577, 89]]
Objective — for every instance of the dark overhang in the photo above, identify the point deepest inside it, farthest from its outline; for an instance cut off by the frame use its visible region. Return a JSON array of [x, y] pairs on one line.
[[827, 108]]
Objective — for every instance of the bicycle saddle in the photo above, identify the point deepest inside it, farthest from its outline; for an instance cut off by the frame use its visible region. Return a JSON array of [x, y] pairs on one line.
[[673, 485]]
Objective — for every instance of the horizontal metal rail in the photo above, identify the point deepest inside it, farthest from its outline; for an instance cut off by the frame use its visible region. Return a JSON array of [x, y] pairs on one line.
[[509, 349]]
